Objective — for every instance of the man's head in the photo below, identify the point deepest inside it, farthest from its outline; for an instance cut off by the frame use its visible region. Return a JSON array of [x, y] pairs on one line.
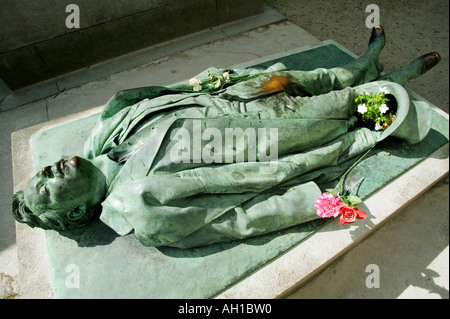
[[61, 196]]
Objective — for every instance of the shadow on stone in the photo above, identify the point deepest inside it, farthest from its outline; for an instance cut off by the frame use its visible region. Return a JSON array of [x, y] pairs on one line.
[[94, 234]]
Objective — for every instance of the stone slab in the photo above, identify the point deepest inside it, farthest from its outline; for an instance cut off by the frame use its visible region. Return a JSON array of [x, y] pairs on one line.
[[88, 46], [256, 251], [150, 54], [44, 47]]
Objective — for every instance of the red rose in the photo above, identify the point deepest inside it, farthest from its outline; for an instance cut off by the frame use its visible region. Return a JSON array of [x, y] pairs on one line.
[[350, 214]]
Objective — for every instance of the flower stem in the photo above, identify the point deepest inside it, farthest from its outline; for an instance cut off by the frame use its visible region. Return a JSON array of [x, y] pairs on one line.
[[340, 185]]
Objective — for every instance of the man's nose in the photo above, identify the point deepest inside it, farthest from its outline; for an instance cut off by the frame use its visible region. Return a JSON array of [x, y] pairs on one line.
[[74, 161]]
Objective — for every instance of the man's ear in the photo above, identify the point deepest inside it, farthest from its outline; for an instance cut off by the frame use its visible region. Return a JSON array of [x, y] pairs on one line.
[[77, 212]]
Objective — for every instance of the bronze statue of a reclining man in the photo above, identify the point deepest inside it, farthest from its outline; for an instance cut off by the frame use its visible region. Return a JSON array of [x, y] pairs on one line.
[[159, 162]]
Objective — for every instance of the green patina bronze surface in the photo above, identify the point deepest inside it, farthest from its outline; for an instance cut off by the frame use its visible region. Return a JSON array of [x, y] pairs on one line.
[[114, 266]]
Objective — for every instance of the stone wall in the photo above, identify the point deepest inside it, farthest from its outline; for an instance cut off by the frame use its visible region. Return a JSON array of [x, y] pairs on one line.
[[36, 44]]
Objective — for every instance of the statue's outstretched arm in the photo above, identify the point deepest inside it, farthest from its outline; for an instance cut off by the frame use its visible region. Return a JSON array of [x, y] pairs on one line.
[[129, 97]]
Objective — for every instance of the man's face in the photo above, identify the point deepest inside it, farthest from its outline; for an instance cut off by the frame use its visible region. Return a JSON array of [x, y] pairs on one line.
[[64, 186]]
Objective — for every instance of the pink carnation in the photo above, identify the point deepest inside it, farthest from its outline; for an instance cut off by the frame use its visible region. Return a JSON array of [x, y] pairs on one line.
[[328, 205]]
